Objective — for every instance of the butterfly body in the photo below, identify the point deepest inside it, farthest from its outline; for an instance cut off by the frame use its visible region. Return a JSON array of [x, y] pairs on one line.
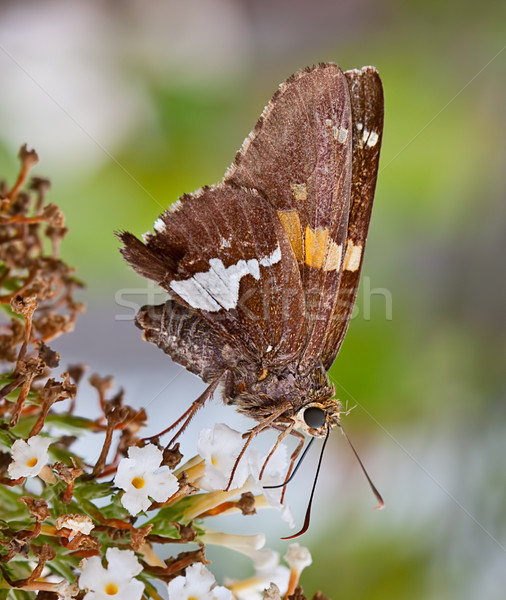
[[262, 269], [254, 388]]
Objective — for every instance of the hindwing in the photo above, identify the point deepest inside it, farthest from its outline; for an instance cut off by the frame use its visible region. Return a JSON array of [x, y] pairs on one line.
[[223, 253], [187, 338]]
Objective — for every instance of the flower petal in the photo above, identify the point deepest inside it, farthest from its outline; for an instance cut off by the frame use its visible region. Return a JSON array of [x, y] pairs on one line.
[[91, 572], [123, 561], [298, 557], [221, 593], [148, 458], [220, 448], [135, 501], [131, 591], [127, 470], [176, 588], [39, 444], [160, 486]]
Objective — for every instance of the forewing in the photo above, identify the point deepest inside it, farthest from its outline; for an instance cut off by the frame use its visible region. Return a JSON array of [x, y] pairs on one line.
[[223, 253], [366, 94], [186, 337], [299, 157]]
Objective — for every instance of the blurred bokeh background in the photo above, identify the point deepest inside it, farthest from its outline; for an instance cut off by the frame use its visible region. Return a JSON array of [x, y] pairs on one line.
[[131, 103]]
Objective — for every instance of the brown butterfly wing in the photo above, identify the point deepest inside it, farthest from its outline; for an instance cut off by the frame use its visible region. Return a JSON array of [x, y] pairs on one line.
[[187, 338], [366, 94], [223, 254], [299, 158]]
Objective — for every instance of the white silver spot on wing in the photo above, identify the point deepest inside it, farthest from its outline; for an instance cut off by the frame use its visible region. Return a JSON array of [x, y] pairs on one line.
[[359, 126], [159, 226], [373, 139], [272, 259], [195, 294], [329, 122], [340, 134], [369, 138], [219, 286]]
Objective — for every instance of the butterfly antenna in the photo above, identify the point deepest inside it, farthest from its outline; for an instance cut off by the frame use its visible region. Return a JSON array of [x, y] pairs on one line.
[[305, 527], [280, 485], [381, 503]]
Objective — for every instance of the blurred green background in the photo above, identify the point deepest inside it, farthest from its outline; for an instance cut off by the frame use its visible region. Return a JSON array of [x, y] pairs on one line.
[[130, 104]]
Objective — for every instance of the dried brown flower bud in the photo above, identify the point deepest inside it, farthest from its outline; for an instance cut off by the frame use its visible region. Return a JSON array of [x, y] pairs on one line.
[[24, 305], [247, 504], [53, 215], [272, 593], [298, 594], [320, 596], [76, 372], [172, 456], [29, 158], [50, 357], [76, 523], [38, 508]]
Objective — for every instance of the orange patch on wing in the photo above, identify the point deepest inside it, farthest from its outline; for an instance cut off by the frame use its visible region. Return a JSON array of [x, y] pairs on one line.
[[315, 246], [291, 224]]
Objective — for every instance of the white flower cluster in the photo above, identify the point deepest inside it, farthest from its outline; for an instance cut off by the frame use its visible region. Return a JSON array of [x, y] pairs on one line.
[[220, 447], [268, 570], [143, 480], [198, 583], [118, 579]]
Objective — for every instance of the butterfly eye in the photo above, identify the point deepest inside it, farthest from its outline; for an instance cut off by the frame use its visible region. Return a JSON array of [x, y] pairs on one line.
[[314, 417]]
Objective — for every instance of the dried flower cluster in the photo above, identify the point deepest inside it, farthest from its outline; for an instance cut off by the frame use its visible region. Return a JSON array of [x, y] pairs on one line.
[[72, 530]]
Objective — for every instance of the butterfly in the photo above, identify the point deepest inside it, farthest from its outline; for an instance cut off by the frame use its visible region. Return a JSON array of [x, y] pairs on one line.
[[262, 269]]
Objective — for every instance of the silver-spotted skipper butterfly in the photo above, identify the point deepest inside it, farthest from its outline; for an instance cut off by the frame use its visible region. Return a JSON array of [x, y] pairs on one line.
[[262, 269]]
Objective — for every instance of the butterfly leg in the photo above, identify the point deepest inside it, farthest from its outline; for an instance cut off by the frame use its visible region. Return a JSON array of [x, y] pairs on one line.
[[250, 435], [188, 415], [293, 457], [285, 433]]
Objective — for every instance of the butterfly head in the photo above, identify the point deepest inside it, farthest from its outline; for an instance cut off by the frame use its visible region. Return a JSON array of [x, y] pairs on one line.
[[316, 418]]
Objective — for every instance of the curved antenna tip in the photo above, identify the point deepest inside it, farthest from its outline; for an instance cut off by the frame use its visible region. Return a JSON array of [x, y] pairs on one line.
[[374, 490], [381, 505]]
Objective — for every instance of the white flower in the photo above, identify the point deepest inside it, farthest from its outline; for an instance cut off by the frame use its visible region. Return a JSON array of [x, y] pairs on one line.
[[141, 478], [268, 570], [117, 580], [298, 557], [274, 473], [219, 447], [29, 457], [197, 584]]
